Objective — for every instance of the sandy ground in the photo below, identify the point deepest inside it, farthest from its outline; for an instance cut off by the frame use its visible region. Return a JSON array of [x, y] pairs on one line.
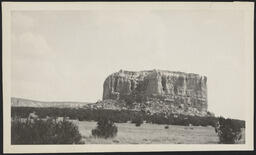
[[151, 134]]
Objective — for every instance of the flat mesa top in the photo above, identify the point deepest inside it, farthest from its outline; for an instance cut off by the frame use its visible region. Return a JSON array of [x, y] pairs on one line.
[[163, 72]]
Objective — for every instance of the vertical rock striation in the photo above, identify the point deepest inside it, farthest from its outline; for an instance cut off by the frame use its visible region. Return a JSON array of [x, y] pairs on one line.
[[185, 90]]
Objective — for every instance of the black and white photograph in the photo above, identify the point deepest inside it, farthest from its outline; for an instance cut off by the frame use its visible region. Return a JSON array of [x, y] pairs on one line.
[[114, 77]]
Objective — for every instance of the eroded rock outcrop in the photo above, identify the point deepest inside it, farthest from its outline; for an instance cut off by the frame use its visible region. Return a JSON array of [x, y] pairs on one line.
[[175, 91]]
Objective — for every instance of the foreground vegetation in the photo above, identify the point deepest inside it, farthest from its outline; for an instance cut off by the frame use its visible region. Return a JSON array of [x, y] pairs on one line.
[[121, 116], [228, 131], [49, 131], [52, 131], [105, 129]]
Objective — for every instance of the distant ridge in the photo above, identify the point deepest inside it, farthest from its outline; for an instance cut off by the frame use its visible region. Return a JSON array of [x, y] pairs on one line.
[[21, 102]]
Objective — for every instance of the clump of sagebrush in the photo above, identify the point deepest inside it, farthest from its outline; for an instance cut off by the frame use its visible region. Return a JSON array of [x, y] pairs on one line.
[[49, 131], [228, 130], [105, 128], [137, 121]]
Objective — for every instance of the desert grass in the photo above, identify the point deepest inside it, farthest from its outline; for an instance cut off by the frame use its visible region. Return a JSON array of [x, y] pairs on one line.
[[151, 134]]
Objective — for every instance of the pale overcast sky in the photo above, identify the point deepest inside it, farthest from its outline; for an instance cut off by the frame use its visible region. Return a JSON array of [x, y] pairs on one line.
[[66, 55]]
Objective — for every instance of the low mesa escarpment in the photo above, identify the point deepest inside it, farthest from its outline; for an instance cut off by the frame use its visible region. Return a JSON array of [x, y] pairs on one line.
[[158, 91]]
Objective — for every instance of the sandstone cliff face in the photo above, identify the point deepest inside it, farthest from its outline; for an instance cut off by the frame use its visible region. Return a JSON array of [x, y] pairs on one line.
[[177, 89]]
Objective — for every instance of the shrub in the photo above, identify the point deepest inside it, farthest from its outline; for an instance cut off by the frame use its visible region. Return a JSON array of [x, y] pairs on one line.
[[138, 124], [105, 129], [38, 131], [166, 127], [137, 120], [228, 131]]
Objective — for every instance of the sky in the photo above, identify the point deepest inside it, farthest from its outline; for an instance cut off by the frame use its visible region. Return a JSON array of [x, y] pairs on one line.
[[67, 55]]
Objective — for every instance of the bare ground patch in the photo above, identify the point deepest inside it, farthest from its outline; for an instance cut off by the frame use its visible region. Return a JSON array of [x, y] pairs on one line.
[[151, 134]]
